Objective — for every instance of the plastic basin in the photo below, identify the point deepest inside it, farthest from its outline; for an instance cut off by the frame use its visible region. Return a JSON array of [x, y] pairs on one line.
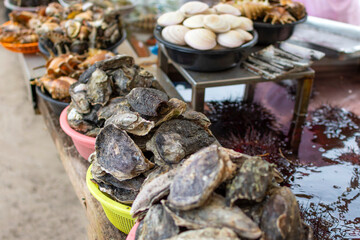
[[132, 232], [84, 145]]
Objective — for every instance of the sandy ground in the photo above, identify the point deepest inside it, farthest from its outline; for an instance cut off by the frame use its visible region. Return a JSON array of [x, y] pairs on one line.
[[37, 200]]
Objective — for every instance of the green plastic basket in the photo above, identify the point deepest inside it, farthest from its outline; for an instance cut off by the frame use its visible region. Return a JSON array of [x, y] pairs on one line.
[[117, 213]]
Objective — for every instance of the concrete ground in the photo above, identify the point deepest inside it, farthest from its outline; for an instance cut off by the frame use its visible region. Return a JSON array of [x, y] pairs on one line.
[[37, 200]]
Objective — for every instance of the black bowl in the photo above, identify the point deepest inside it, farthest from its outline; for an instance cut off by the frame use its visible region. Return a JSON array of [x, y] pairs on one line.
[[208, 60], [271, 33], [111, 48], [56, 105]]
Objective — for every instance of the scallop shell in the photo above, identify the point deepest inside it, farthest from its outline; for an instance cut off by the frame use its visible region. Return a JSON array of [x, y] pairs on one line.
[[216, 23], [234, 21], [193, 7], [196, 21], [170, 18], [201, 39], [226, 8], [247, 24], [175, 34], [246, 35], [230, 39]]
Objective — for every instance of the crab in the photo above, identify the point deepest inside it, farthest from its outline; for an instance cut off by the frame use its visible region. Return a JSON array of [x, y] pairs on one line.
[[278, 15]]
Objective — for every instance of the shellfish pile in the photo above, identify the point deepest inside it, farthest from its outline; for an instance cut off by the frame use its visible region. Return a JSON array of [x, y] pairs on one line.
[[65, 69], [197, 25]]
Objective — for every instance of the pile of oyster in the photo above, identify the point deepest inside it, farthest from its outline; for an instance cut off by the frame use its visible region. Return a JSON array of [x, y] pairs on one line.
[[197, 25], [79, 27], [111, 86]]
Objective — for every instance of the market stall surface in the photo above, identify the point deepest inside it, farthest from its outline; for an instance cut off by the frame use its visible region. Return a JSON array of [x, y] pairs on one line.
[[37, 200]]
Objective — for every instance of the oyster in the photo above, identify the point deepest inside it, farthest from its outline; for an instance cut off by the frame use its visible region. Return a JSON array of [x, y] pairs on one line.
[[251, 183], [147, 101], [245, 35], [115, 62], [76, 120], [118, 155], [226, 8], [158, 225], [216, 24], [170, 18], [99, 88], [215, 214], [175, 108], [193, 7], [113, 106], [143, 79], [85, 76], [131, 122], [175, 34], [199, 176], [196, 21], [72, 28], [197, 117], [201, 39], [281, 216], [176, 139], [231, 39], [78, 97], [152, 191], [93, 132], [207, 234]]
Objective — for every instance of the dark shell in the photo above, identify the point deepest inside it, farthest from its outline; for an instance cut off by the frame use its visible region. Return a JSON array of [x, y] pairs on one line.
[[113, 106], [143, 79], [93, 132], [78, 97], [99, 88], [175, 108], [121, 81], [79, 47], [77, 122], [208, 234], [198, 177], [216, 214], [197, 117], [84, 78], [176, 139], [158, 225], [92, 116], [147, 101], [118, 155], [115, 62], [281, 216], [251, 183]]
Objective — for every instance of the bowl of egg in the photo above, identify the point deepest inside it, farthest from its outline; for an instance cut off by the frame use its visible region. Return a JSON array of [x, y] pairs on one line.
[[205, 39]]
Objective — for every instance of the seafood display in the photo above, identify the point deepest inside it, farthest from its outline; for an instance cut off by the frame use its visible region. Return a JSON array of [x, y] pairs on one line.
[[65, 69], [274, 12], [200, 27], [30, 3]]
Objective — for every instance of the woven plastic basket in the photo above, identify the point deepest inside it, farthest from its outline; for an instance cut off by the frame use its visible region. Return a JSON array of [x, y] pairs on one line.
[[117, 213], [20, 47]]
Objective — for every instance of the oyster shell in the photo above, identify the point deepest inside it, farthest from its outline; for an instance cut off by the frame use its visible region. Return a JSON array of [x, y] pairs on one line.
[[151, 192], [170, 18], [281, 216], [99, 88], [147, 101], [176, 107], [78, 97], [197, 117], [201, 39], [175, 34], [158, 224], [226, 8], [215, 214], [176, 139], [131, 122], [115, 63], [193, 7], [245, 35], [216, 23], [76, 120], [207, 234], [113, 106], [196, 21], [199, 176], [143, 79], [118, 155], [251, 183], [93, 132], [72, 28], [231, 39]]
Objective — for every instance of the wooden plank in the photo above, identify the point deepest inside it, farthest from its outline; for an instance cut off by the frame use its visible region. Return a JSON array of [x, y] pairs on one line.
[[99, 227]]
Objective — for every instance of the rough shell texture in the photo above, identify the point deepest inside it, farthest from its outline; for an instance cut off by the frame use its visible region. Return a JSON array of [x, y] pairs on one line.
[[170, 18], [175, 108], [115, 62], [231, 39], [193, 7], [176, 139], [226, 8], [118, 155], [78, 97], [99, 88], [251, 183], [201, 39], [114, 105], [147, 101], [196, 21], [175, 34], [197, 117], [199, 176], [216, 23], [281, 216], [216, 214], [158, 224], [76, 120], [207, 234]]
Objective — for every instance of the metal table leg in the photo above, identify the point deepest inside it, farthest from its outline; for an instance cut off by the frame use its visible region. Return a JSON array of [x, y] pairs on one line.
[[198, 98], [163, 61], [249, 92]]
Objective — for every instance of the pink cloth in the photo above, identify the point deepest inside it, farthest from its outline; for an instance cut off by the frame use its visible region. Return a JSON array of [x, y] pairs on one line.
[[347, 11]]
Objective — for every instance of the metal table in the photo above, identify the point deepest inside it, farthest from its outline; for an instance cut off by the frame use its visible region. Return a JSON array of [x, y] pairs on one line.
[[201, 80]]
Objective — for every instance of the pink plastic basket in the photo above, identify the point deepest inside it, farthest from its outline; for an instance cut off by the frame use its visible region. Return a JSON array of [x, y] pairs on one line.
[[132, 233], [84, 145]]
